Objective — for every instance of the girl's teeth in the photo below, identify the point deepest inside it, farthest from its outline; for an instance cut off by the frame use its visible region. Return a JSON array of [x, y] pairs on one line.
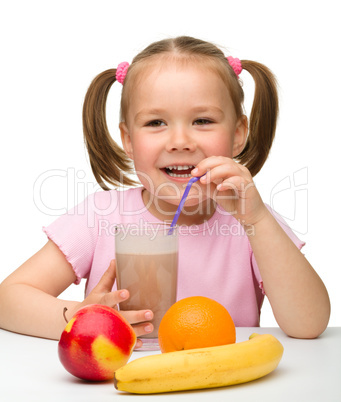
[[184, 167], [175, 170], [179, 175]]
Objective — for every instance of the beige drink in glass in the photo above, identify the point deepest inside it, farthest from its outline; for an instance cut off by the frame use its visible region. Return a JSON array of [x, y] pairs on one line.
[[147, 265]]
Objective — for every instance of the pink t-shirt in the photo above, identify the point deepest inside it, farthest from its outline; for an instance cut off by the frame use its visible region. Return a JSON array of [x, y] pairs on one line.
[[215, 258]]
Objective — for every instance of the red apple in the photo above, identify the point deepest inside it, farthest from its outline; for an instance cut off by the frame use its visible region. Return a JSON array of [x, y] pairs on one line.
[[96, 342]]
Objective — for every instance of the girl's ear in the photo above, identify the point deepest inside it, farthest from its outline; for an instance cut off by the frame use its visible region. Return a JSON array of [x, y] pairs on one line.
[[240, 135], [126, 140]]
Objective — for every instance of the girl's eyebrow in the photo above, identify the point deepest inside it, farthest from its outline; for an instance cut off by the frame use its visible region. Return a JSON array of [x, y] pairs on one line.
[[144, 112], [158, 111], [207, 109]]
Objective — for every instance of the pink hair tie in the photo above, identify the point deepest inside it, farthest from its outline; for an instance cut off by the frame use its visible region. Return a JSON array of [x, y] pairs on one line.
[[121, 71], [235, 64]]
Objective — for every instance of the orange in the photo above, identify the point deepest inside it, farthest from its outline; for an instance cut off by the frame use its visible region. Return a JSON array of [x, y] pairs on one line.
[[195, 322]]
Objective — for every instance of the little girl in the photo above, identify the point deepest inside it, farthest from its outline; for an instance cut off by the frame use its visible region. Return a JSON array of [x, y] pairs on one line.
[[181, 116]]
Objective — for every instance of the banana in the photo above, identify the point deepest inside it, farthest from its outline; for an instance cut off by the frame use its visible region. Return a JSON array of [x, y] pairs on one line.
[[210, 367]]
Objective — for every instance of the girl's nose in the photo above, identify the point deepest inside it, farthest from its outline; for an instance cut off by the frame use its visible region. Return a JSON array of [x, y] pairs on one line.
[[180, 140]]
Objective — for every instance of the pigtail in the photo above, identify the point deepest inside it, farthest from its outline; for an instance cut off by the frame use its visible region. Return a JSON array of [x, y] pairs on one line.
[[107, 159], [263, 117]]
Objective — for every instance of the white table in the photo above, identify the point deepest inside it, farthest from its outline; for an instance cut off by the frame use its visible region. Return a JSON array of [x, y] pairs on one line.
[[310, 370]]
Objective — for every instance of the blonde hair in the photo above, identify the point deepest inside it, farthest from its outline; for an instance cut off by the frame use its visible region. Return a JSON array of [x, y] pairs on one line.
[[108, 160]]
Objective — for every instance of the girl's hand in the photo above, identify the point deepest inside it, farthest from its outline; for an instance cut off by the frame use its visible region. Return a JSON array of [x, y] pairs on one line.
[[103, 294], [232, 187]]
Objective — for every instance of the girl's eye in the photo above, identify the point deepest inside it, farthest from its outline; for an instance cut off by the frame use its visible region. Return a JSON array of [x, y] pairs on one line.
[[201, 122], [155, 123]]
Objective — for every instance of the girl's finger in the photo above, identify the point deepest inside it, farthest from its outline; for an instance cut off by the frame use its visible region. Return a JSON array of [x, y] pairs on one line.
[[209, 163], [208, 166], [138, 345], [138, 316], [143, 328], [237, 184], [222, 172], [111, 299]]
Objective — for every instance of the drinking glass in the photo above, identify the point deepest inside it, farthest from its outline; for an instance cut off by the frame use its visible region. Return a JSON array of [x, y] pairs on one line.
[[147, 266]]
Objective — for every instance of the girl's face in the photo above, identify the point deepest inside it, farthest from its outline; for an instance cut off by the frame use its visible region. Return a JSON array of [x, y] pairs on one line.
[[177, 116]]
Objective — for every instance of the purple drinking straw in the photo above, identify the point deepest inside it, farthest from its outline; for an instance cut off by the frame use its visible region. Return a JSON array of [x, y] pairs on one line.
[[182, 202]]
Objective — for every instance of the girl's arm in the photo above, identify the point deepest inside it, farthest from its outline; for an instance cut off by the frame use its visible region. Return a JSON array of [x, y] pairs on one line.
[[29, 303], [297, 295]]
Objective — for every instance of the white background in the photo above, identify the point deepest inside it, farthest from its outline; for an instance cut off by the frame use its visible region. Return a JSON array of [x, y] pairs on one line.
[[51, 50]]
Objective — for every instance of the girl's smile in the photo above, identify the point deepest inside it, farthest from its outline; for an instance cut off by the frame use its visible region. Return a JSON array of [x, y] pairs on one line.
[[179, 171], [178, 115]]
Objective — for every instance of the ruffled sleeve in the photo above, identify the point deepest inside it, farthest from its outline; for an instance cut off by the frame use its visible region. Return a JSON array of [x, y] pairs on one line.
[[76, 233]]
